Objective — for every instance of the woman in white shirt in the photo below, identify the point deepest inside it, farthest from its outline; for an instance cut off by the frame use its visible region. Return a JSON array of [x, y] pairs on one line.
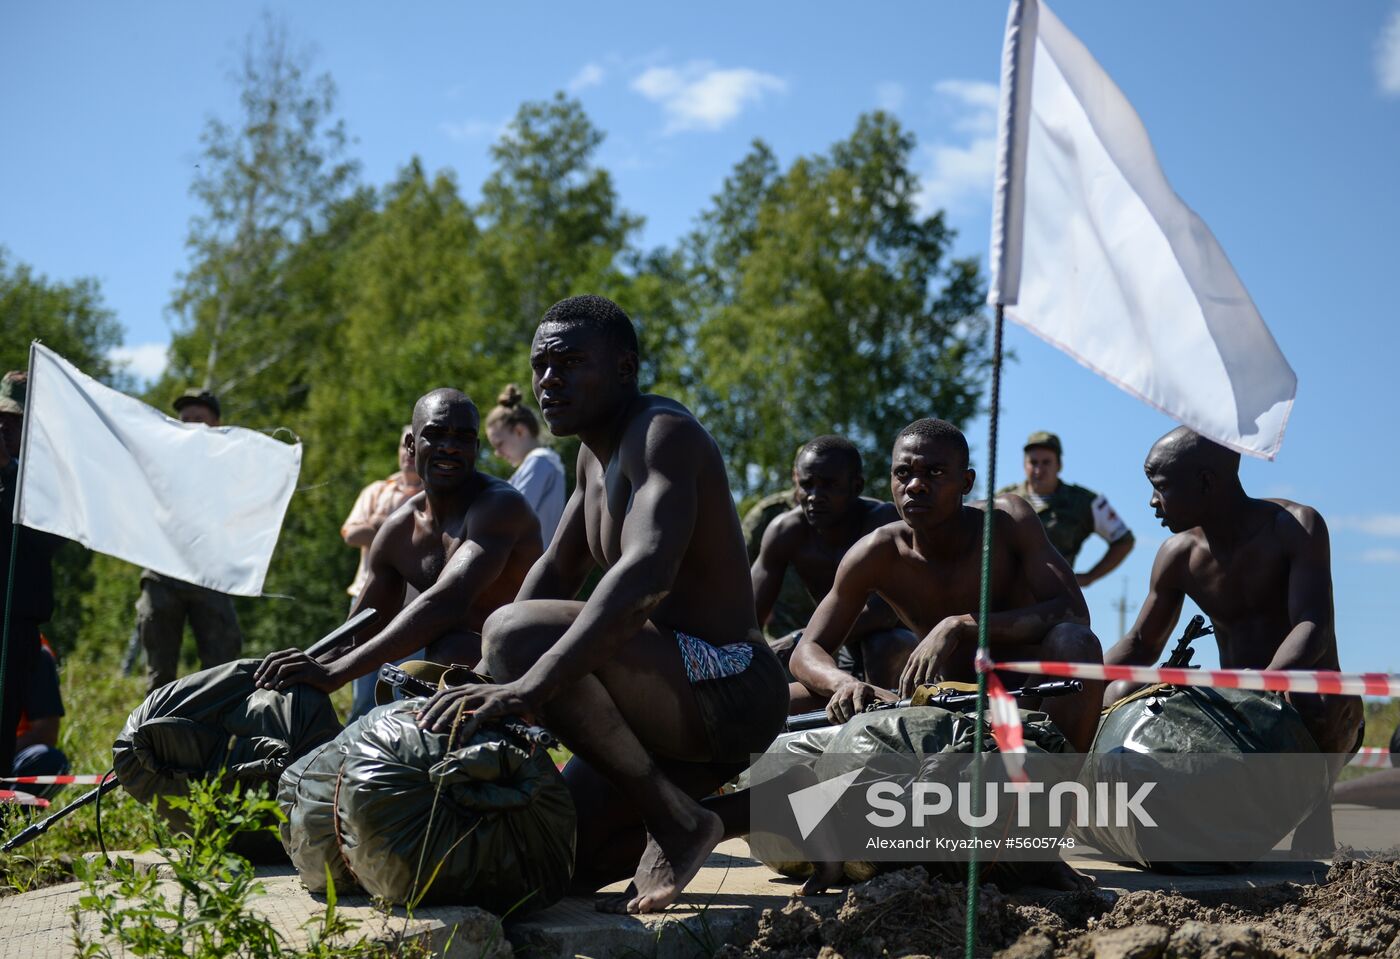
[[514, 434]]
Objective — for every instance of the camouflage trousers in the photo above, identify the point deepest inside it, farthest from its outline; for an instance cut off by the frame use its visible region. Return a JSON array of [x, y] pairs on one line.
[[161, 612]]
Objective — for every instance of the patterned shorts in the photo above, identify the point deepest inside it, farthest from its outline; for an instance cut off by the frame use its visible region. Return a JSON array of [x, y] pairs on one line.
[[703, 661]]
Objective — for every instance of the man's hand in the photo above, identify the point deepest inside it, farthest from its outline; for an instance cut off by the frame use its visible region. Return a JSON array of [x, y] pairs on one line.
[[927, 660], [852, 697], [283, 669], [481, 704]]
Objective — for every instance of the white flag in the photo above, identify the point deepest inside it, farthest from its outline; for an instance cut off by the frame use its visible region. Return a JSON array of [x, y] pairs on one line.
[[190, 502], [1094, 252]]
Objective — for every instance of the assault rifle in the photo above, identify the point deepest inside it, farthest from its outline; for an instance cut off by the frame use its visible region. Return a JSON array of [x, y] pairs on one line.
[[411, 687], [952, 699], [1180, 657]]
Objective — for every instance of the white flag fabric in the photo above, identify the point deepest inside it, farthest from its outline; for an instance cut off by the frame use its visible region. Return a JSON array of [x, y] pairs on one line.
[[1094, 252], [190, 502]]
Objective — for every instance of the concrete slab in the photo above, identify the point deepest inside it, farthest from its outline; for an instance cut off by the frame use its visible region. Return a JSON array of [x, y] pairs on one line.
[[40, 924], [722, 905]]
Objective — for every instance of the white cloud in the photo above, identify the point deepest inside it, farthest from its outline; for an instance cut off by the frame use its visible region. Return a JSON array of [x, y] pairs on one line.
[[1376, 524], [700, 96], [465, 130], [1388, 55], [591, 75], [961, 172], [1384, 554], [145, 361], [890, 96]]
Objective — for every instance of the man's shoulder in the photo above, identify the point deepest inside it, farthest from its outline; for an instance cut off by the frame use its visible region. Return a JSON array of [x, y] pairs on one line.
[[496, 495], [652, 412], [659, 429], [786, 530], [1296, 521], [1018, 488], [884, 538]]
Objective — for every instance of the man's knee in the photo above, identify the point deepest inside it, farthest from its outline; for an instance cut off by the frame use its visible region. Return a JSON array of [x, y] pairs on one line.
[[1072, 643], [514, 636]]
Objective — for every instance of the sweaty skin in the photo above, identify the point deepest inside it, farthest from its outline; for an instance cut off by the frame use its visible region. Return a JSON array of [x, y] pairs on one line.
[[466, 543], [812, 538], [652, 508], [927, 567], [1261, 570]]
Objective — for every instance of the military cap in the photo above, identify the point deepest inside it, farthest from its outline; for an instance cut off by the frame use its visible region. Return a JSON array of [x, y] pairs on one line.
[[197, 396], [1048, 440]]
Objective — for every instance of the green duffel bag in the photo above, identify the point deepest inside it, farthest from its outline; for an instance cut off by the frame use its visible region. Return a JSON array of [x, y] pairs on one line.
[[213, 723], [931, 731], [488, 823], [306, 796], [1238, 809]]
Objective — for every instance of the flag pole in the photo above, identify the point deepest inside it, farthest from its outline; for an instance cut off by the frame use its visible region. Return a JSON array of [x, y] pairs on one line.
[[983, 612], [14, 549]]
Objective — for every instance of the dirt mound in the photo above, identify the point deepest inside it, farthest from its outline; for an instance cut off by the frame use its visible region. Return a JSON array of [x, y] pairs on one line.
[[1356, 912]]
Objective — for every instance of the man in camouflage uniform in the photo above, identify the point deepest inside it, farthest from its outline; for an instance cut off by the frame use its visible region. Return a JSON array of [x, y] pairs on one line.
[[1070, 513]]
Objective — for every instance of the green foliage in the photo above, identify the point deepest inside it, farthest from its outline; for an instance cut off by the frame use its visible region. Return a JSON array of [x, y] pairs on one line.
[[265, 185], [204, 908], [809, 298], [69, 317], [830, 307]]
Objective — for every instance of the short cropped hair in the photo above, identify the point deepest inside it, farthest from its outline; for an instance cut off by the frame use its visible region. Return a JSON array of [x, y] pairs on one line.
[[838, 445], [595, 313], [931, 428]]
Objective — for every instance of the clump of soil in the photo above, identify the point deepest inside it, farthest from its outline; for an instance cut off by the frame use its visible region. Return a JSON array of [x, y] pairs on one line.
[[1356, 912]]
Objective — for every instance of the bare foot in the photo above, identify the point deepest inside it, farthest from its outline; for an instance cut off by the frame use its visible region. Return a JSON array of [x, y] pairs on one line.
[[668, 864], [824, 875]]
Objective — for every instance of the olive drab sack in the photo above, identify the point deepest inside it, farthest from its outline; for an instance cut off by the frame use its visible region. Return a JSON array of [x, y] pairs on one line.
[[488, 823], [216, 722], [1202, 733]]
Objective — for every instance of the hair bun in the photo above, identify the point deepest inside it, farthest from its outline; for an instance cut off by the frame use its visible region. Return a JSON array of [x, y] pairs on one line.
[[510, 396]]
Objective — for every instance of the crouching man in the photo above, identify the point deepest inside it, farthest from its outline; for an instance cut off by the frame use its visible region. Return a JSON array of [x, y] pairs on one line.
[[927, 567], [661, 683]]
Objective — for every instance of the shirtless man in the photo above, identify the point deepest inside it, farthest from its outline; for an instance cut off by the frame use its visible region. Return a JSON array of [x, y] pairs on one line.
[[927, 566], [661, 683], [1260, 569], [465, 543], [811, 538]]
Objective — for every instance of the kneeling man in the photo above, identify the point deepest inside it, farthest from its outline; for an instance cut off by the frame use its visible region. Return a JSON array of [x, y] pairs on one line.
[[661, 683], [928, 567], [1261, 569], [465, 543]]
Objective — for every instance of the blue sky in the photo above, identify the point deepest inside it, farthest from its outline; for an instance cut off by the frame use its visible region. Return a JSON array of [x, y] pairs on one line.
[[1279, 124]]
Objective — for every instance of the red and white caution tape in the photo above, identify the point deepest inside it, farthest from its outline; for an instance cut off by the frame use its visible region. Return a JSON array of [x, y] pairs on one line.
[[83, 780], [1278, 680], [22, 799], [1373, 757], [1005, 718], [1006, 728]]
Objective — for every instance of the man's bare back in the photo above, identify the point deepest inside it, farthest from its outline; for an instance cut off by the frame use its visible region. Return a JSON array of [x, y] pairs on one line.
[[465, 544]]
